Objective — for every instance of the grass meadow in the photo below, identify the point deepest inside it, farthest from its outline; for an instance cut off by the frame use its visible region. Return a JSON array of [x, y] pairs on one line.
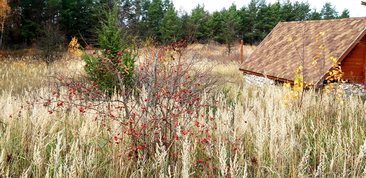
[[250, 131]]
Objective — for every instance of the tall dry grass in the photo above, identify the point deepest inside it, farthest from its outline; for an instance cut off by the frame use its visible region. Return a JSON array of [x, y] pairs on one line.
[[27, 73], [254, 135]]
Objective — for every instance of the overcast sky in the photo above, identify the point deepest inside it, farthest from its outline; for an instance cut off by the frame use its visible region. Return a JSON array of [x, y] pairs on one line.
[[354, 6]]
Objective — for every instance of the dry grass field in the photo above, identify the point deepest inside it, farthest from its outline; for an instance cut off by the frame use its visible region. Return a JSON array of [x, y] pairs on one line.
[[250, 133]]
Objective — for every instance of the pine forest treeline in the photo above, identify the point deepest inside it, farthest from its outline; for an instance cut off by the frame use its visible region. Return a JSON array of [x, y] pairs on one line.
[[51, 23]]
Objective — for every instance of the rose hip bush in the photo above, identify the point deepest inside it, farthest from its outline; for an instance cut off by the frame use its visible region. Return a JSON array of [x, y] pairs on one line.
[[164, 105]]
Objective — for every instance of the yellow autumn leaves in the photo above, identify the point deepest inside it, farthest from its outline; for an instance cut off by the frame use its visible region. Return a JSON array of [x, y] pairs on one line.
[[4, 10], [74, 47], [334, 78], [295, 92]]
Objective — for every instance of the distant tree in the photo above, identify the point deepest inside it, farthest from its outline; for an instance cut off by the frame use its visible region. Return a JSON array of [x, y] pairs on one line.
[[315, 15], [231, 26], [345, 14], [126, 13], [170, 28], [51, 42], [166, 5], [141, 19], [154, 17], [298, 11], [266, 20], [4, 12], [215, 27], [82, 18], [301, 11], [198, 24], [143, 25], [249, 20], [135, 20], [12, 27], [287, 11], [50, 39], [328, 11], [185, 21], [275, 12], [31, 20]]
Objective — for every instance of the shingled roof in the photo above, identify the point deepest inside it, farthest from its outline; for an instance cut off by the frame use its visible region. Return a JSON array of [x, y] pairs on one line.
[[309, 44]]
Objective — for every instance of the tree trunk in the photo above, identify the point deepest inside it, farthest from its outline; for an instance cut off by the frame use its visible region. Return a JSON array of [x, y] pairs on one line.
[[229, 48], [2, 33]]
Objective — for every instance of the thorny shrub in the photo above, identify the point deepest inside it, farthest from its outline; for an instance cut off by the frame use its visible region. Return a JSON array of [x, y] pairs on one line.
[[164, 106]]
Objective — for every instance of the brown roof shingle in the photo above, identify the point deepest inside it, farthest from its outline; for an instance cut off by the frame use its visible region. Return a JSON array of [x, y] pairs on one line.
[[310, 44]]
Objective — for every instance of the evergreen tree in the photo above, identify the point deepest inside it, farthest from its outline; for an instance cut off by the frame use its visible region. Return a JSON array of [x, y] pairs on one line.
[[231, 24], [31, 20], [110, 34], [301, 11], [329, 12], [12, 29], [248, 21], [166, 5], [81, 18], [185, 21], [126, 14], [134, 20], [170, 28], [198, 24], [287, 13], [143, 25], [154, 16], [345, 14], [315, 15], [265, 22], [215, 26]]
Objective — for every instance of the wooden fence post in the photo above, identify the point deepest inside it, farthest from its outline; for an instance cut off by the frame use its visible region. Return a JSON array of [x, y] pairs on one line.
[[364, 67], [241, 52]]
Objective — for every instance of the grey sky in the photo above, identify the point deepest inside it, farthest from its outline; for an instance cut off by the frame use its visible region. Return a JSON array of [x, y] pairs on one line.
[[354, 6]]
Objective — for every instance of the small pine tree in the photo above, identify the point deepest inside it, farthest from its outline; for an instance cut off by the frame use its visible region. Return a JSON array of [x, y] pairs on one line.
[[113, 69], [110, 35]]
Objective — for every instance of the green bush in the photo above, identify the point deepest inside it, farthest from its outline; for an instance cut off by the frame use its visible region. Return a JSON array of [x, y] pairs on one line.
[[110, 71], [111, 68]]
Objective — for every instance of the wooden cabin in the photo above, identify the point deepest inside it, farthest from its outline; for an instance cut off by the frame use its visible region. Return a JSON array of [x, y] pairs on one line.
[[354, 65], [315, 46]]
